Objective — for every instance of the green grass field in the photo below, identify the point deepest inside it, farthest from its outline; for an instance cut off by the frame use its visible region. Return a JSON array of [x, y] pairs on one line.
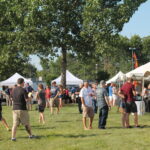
[[65, 132]]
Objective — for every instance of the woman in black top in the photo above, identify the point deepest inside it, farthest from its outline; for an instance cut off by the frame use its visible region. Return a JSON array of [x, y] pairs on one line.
[[41, 102], [1, 117]]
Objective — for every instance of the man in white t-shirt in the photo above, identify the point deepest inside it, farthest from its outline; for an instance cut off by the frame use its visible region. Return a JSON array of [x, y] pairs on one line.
[[86, 99]]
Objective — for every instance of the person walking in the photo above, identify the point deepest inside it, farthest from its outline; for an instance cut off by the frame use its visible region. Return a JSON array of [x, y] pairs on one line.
[[110, 94], [129, 93], [79, 98], [47, 96], [122, 107], [103, 104], [60, 95], [29, 91], [86, 99], [2, 119], [7, 94], [54, 102], [114, 94], [20, 113], [41, 102]]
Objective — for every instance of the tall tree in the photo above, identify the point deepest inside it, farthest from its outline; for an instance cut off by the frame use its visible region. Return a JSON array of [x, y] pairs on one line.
[[54, 27], [104, 19]]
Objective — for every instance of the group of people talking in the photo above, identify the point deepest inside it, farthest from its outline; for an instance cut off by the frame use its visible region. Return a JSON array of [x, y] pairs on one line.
[[126, 94]]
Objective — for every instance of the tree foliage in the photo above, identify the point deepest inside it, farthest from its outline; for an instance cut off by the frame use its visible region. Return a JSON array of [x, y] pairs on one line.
[[52, 27], [104, 19]]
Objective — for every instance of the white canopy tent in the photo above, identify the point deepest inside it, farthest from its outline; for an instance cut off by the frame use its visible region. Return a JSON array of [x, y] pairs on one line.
[[70, 79], [117, 78], [140, 72], [13, 80]]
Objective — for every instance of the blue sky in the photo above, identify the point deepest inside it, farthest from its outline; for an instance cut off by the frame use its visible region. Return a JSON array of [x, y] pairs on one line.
[[139, 24]]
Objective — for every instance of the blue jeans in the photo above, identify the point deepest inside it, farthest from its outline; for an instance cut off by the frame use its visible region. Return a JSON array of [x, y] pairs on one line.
[[103, 114], [94, 103]]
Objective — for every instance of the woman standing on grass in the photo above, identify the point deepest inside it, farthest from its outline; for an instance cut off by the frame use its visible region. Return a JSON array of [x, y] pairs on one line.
[[41, 102], [114, 94], [60, 96], [122, 108], [2, 119], [47, 96]]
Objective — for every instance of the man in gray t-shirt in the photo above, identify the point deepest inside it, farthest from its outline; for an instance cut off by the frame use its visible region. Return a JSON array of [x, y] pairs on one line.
[[103, 104]]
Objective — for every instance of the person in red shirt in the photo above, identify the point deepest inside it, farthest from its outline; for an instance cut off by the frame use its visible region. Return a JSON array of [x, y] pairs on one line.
[[47, 95], [129, 93]]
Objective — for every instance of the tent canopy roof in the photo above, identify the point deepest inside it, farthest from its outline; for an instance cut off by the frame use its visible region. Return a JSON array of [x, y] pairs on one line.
[[70, 79], [142, 71], [13, 80], [118, 77]]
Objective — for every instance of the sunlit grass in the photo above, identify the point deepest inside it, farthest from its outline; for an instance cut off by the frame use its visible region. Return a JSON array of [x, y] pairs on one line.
[[64, 132]]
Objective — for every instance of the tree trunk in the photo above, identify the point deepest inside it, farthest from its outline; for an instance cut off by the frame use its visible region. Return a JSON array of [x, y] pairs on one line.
[[63, 67]]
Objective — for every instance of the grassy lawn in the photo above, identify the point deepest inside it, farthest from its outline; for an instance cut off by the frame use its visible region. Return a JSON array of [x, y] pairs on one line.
[[64, 132]]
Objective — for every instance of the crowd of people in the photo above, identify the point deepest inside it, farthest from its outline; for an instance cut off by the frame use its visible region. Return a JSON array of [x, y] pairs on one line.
[[91, 98], [105, 96]]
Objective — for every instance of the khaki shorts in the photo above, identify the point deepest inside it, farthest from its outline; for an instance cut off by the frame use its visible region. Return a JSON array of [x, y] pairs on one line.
[[54, 102], [20, 116], [88, 112]]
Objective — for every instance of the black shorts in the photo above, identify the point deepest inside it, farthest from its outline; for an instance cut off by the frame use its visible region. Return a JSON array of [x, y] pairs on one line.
[[131, 107], [41, 108], [1, 116]]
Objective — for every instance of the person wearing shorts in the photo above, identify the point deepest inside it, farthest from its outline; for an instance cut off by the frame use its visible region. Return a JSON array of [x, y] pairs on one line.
[[41, 102], [54, 102], [20, 113], [29, 90], [2, 119], [114, 94], [60, 95], [110, 94], [122, 107], [47, 96], [86, 99], [129, 92]]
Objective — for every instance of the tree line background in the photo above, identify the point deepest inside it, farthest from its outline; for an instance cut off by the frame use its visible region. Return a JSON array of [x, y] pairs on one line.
[[79, 35]]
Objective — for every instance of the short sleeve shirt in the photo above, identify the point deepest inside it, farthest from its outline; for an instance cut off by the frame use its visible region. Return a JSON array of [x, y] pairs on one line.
[[85, 94], [42, 100], [19, 98], [29, 89], [127, 89], [54, 91], [101, 94], [47, 93]]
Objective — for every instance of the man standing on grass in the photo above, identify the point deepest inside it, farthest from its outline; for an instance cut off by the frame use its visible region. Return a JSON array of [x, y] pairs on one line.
[[20, 113], [86, 99], [129, 92], [54, 97], [103, 104]]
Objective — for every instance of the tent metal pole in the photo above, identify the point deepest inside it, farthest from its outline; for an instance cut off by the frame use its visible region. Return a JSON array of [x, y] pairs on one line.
[[143, 89]]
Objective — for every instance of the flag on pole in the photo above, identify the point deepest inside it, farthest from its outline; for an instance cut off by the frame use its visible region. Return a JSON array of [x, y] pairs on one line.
[[136, 64]]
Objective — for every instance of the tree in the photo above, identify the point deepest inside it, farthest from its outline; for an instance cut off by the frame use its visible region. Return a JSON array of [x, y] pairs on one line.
[[12, 59], [146, 49], [53, 27], [104, 19], [56, 27]]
